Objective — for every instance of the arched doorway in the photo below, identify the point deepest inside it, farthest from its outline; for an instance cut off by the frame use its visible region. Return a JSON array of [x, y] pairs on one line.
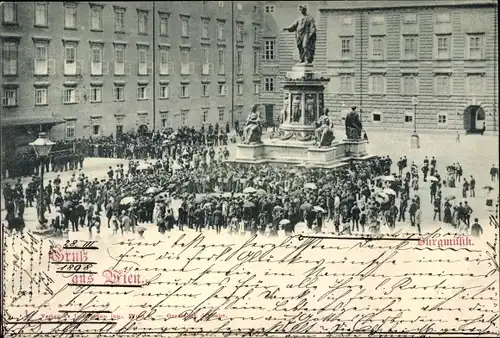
[[142, 130], [474, 118]]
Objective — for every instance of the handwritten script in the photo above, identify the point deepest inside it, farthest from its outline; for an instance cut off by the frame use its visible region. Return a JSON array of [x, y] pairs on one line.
[[196, 285]]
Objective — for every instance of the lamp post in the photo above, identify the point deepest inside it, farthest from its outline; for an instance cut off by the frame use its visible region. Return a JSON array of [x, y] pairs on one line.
[[42, 146], [415, 140]]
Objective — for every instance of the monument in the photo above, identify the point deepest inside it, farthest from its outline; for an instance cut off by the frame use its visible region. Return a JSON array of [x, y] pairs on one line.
[[306, 133]]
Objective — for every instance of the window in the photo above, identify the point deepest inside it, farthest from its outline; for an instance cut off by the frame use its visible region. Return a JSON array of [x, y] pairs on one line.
[[475, 46], [10, 56], [377, 84], [222, 89], [239, 6], [9, 12], [207, 67], [119, 20], [70, 15], [220, 29], [71, 95], [166, 67], [256, 33], [96, 94], [96, 129], [142, 92], [184, 90], [443, 46], [239, 61], [205, 25], [119, 93], [408, 117], [475, 84], [164, 91], [144, 66], [71, 66], [256, 88], [443, 18], [70, 129], [376, 117], [269, 8], [204, 89], [184, 117], [164, 24], [205, 115], [346, 48], [120, 64], [378, 47], [221, 4], [142, 22], [96, 18], [40, 96], [221, 61], [41, 14], [256, 58], [442, 84], [41, 58], [221, 114], [164, 118], [239, 31], [9, 97], [410, 85], [96, 66], [269, 46], [239, 88], [410, 47], [410, 18], [186, 65], [184, 26], [269, 84], [442, 118], [346, 84]]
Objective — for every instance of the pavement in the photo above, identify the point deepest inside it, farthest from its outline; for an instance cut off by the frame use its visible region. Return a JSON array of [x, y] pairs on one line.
[[475, 153]]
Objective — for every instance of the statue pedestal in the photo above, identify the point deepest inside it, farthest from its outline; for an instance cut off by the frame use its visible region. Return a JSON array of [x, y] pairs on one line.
[[303, 104]]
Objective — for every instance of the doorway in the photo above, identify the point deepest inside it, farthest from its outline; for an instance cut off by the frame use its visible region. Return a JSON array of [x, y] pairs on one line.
[[474, 118], [269, 114], [142, 130]]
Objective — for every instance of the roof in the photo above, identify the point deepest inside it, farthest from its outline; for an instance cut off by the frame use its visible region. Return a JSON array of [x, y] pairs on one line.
[[346, 5], [30, 121]]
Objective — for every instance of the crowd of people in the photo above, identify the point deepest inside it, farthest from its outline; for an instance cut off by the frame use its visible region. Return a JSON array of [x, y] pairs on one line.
[[187, 182]]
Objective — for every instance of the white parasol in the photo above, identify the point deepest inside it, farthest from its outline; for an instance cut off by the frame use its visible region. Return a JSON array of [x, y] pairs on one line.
[[311, 186], [249, 190], [389, 191]]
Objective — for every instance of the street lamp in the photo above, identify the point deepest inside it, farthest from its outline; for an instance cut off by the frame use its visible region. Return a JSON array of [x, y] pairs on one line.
[[42, 146], [414, 141]]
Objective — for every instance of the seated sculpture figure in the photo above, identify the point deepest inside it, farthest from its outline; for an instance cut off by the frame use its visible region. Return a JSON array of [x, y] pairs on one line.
[[324, 133], [353, 125], [252, 133]]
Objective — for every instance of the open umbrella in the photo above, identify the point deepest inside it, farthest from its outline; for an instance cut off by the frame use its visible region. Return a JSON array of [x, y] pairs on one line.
[[388, 178], [433, 179], [319, 209], [284, 222], [207, 205], [152, 190], [487, 187], [277, 207], [73, 189], [199, 199], [248, 205], [249, 190], [306, 206], [382, 198], [227, 194], [144, 166], [311, 186], [261, 192], [172, 186], [389, 191], [127, 200], [450, 198]]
